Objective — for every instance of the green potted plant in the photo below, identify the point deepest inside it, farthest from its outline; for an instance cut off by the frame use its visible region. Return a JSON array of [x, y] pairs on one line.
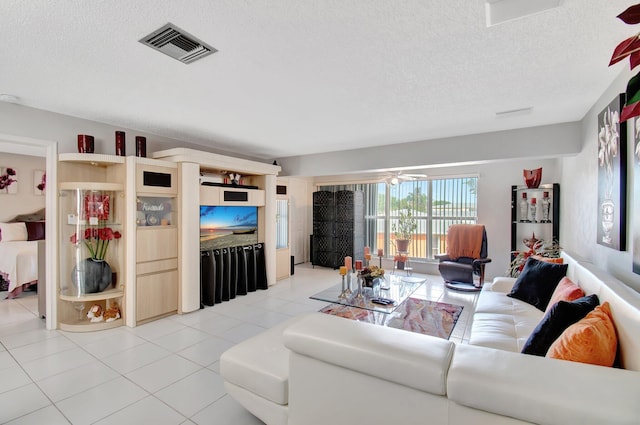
[[403, 230]]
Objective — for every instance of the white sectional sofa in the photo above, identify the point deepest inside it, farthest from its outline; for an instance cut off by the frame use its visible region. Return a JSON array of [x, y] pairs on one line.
[[318, 369]]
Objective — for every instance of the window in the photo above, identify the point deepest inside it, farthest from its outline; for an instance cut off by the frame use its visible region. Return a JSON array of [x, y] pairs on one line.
[[282, 223], [435, 204]]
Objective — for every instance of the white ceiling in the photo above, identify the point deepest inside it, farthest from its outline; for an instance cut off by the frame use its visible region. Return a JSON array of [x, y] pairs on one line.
[[295, 77]]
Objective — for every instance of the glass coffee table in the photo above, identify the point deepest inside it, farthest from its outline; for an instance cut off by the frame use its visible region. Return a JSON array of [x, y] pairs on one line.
[[392, 287], [410, 311]]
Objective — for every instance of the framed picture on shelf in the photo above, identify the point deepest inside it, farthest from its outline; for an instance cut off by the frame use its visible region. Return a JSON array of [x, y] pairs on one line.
[[96, 206], [612, 176]]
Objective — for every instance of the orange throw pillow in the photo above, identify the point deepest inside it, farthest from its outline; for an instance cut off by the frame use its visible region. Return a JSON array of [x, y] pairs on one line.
[[555, 260], [592, 340], [565, 291]]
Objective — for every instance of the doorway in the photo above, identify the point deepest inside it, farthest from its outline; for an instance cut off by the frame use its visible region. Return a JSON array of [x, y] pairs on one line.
[[49, 149]]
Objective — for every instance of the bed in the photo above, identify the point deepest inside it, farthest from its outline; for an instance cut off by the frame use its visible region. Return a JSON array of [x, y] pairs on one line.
[[19, 254]]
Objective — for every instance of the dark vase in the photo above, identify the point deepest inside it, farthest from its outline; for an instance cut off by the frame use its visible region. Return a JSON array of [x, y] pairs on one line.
[[85, 143], [91, 276], [141, 146], [121, 148]]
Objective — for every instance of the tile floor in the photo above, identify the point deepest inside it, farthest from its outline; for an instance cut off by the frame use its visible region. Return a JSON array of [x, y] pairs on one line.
[[164, 372]]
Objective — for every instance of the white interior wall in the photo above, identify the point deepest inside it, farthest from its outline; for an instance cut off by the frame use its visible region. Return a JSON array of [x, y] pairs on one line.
[[299, 191], [25, 200], [64, 129], [494, 202], [580, 197]]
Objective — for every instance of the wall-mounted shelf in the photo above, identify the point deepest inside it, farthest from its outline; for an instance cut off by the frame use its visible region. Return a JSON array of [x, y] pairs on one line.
[[95, 159], [524, 224]]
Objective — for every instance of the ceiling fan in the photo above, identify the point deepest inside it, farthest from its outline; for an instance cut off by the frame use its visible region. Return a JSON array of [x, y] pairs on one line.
[[398, 177]]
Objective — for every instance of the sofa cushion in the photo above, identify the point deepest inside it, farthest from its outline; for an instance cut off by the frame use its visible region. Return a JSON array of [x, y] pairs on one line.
[[539, 390], [536, 283], [260, 364], [591, 340], [35, 230], [558, 318], [556, 260], [376, 351], [505, 331], [565, 291], [13, 232]]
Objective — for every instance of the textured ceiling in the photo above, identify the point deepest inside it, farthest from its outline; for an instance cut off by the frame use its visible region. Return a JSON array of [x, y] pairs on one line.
[[295, 77]]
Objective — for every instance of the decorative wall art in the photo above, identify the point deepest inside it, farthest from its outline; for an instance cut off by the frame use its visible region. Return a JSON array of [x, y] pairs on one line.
[[636, 197], [39, 182], [8, 180], [612, 176]]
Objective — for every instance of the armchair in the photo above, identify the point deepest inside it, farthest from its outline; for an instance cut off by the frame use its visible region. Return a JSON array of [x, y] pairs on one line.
[[462, 266]]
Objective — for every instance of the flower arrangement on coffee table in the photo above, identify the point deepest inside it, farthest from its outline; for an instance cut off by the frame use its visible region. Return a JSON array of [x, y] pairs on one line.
[[369, 273]]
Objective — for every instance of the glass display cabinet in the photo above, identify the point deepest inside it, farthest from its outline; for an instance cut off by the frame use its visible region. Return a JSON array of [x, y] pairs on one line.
[[91, 249]]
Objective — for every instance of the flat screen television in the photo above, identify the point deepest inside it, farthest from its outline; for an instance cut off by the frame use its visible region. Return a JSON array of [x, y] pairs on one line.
[[225, 226]]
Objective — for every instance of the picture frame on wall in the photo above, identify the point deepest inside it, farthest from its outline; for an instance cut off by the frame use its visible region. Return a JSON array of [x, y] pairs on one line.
[[39, 182], [636, 199], [8, 180], [612, 176]]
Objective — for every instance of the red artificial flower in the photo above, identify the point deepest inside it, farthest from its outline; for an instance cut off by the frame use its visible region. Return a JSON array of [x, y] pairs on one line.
[[97, 240]]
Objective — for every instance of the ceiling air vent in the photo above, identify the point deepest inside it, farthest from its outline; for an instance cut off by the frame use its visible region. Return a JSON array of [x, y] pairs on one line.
[[178, 44]]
